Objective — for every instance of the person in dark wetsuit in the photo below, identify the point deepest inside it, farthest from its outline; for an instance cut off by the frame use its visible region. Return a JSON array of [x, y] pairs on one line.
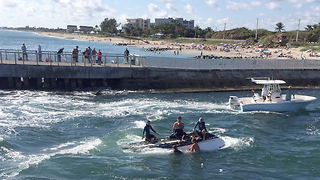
[[202, 129], [177, 129], [176, 150], [149, 137]]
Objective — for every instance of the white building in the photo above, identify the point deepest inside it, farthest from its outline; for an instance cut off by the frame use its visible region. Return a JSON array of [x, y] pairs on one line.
[[71, 28], [140, 23], [187, 24]]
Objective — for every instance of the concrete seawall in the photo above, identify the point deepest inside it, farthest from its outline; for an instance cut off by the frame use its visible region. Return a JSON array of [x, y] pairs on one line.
[[139, 78]]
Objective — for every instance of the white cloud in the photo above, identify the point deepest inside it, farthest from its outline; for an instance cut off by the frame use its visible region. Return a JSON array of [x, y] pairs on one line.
[[256, 3], [156, 11], [122, 19], [222, 22], [170, 7], [189, 9], [299, 5], [212, 3], [273, 5], [237, 6]]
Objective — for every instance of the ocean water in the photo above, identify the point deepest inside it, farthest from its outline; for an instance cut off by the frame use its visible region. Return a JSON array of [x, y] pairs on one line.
[[77, 135], [14, 39]]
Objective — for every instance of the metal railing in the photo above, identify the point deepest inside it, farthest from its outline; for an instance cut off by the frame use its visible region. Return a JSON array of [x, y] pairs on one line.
[[232, 64], [9, 56]]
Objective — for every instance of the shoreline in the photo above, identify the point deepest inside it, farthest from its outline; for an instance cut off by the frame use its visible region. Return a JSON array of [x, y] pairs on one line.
[[203, 50]]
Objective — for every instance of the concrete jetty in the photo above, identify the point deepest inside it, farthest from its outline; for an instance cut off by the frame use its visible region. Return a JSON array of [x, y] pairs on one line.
[[142, 76]]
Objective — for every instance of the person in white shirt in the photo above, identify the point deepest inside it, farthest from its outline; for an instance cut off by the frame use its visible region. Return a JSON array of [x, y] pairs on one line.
[[264, 92]]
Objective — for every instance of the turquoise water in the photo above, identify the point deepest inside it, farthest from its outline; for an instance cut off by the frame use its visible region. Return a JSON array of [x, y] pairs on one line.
[[77, 135], [14, 40]]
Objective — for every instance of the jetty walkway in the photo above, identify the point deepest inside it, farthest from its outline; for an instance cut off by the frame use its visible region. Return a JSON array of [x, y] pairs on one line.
[[139, 72]]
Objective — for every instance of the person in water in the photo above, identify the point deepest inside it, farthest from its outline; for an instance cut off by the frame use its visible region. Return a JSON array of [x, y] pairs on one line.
[[149, 137], [177, 129], [176, 150], [194, 147], [202, 129]]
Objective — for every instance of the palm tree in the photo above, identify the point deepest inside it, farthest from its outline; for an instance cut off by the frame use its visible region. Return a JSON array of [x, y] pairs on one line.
[[309, 28], [279, 27]]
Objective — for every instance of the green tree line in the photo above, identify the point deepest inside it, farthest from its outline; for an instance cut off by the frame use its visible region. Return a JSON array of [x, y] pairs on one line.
[[109, 26]]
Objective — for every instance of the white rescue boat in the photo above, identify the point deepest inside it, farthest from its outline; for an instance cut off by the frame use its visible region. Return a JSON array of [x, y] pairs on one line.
[[275, 101]]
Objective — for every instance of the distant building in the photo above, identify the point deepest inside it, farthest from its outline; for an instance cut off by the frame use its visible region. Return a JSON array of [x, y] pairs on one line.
[[159, 35], [86, 28], [140, 23], [71, 28], [187, 24]]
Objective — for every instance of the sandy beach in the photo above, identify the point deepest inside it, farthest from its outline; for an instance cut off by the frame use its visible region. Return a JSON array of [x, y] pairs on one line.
[[237, 51]]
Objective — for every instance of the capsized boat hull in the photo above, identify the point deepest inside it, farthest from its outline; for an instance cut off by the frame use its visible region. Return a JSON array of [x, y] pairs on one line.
[[208, 145], [212, 143]]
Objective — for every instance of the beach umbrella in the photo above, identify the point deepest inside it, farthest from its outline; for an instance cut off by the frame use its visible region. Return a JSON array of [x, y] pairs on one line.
[[244, 43]]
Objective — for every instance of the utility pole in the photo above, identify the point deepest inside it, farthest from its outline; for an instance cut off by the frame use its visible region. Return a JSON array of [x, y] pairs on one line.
[[257, 29], [298, 31], [224, 30]]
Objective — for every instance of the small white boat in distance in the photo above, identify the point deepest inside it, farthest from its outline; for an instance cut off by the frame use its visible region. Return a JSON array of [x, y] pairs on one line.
[[275, 101]]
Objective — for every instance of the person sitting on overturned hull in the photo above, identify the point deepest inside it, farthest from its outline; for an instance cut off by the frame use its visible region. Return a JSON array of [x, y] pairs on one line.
[[202, 129], [149, 137], [177, 129]]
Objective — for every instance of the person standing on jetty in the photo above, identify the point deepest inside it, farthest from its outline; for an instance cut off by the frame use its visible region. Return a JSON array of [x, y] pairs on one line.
[[89, 53], [75, 55], [94, 53], [99, 56], [126, 56], [39, 53], [24, 52], [59, 53]]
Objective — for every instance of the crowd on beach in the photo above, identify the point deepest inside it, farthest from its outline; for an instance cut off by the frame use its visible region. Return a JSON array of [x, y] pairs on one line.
[[237, 50]]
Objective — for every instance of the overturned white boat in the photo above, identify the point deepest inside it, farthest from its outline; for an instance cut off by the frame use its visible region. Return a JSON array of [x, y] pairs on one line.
[[211, 143], [275, 101]]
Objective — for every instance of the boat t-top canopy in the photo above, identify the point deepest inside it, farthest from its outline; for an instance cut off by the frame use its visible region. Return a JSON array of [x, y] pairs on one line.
[[267, 82]]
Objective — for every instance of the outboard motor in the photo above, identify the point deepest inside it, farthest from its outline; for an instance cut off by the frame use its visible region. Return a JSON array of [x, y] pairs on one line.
[[234, 102]]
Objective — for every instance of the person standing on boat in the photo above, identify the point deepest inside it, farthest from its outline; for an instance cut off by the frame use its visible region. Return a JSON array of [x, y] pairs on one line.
[[149, 137], [264, 92], [202, 129], [289, 93], [194, 147], [177, 129]]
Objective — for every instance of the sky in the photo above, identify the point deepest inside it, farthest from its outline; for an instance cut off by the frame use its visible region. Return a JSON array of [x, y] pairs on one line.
[[206, 13]]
